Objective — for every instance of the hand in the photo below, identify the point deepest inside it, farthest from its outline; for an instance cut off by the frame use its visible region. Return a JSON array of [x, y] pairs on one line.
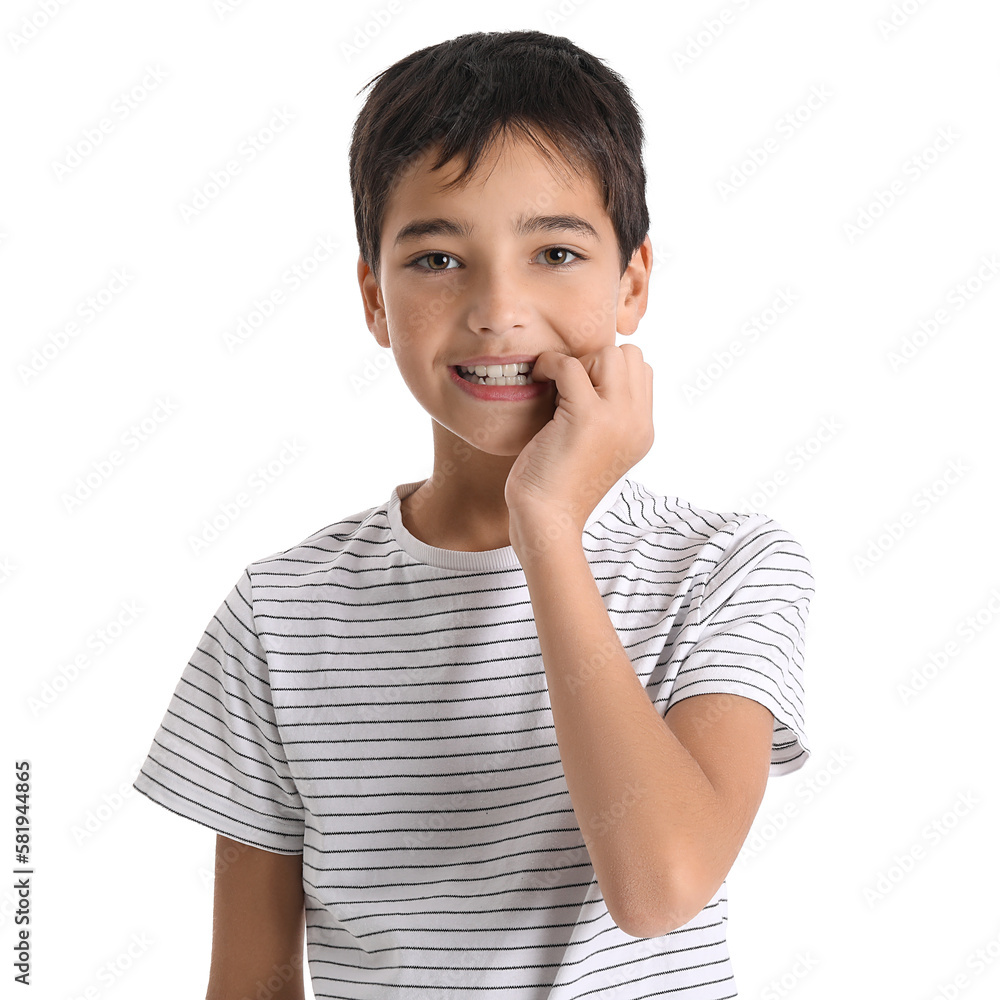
[[603, 425]]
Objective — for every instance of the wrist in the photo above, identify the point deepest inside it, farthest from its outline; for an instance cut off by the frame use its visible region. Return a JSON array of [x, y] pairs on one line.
[[543, 533]]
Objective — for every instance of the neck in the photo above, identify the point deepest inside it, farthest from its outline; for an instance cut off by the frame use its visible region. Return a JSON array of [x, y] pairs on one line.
[[461, 505]]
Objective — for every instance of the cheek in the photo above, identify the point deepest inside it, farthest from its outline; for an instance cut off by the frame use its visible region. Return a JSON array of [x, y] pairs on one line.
[[409, 320], [585, 317], [422, 297]]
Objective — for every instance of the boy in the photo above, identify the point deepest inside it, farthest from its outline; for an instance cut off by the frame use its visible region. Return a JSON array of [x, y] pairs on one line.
[[508, 729]]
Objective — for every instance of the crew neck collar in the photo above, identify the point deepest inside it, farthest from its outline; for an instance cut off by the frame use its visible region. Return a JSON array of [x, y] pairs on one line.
[[502, 558]]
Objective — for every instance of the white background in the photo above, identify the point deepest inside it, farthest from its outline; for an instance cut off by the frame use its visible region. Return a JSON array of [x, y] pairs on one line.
[[122, 891]]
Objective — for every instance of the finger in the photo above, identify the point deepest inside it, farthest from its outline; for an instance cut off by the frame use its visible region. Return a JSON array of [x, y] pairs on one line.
[[637, 378], [541, 371], [609, 371], [569, 374]]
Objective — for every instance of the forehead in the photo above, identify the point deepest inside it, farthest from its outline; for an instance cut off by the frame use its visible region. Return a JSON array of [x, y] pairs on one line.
[[512, 175]]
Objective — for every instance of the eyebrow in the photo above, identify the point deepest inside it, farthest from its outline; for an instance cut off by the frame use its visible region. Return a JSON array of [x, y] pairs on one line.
[[420, 228]]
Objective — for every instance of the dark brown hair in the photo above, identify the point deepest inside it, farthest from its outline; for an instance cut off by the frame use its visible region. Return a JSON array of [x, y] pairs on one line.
[[463, 93]]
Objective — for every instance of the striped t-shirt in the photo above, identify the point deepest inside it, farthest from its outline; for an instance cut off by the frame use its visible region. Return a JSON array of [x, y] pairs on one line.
[[379, 705]]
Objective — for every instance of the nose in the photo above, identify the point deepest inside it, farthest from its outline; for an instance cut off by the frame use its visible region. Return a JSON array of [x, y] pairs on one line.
[[497, 301]]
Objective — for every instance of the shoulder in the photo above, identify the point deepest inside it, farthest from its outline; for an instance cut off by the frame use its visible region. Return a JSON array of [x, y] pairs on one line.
[[322, 548], [678, 532]]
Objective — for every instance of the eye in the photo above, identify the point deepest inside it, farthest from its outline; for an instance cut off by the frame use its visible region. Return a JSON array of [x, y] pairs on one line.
[[436, 258], [563, 251], [427, 256]]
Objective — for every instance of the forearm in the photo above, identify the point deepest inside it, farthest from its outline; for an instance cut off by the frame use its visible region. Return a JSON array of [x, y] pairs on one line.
[[642, 802]]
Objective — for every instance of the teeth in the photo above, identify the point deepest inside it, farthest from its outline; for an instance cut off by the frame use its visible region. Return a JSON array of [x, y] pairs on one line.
[[497, 371], [514, 374]]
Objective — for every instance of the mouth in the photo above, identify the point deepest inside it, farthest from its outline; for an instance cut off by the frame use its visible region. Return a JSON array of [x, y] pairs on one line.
[[513, 373]]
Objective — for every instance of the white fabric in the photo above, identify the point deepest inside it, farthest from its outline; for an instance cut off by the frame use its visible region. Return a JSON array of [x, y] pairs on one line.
[[380, 706]]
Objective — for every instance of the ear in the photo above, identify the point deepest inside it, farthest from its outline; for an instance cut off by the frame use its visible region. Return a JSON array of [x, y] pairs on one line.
[[371, 296], [633, 289]]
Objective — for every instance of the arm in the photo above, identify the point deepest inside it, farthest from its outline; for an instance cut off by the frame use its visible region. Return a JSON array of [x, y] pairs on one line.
[[664, 805], [258, 924]]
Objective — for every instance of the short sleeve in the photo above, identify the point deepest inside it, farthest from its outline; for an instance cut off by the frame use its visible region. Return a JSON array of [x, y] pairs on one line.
[[747, 633], [217, 757]]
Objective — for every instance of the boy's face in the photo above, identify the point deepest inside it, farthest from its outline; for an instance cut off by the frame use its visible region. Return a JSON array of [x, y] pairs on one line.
[[446, 298]]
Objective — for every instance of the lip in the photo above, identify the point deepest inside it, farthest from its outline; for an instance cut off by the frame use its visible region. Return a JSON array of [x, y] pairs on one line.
[[483, 359], [505, 393]]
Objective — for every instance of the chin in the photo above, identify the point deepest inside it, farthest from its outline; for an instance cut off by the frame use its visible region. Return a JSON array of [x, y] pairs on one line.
[[499, 444]]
